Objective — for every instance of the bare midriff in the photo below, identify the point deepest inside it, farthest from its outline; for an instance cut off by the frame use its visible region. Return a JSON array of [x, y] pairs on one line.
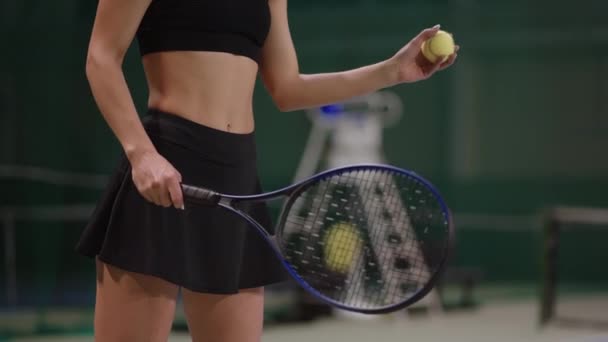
[[214, 89]]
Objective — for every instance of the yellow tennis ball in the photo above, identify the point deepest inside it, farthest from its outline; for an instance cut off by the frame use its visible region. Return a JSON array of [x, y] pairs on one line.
[[440, 46], [342, 243]]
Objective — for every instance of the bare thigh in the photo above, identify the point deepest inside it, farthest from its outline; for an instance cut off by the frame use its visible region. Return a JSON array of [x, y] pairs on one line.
[[225, 318], [132, 307]]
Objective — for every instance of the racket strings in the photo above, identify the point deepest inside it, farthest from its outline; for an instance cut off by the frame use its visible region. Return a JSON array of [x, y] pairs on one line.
[[343, 246], [384, 209], [377, 204], [355, 237]]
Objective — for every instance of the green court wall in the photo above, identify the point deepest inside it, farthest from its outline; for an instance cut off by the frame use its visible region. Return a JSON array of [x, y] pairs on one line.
[[517, 125]]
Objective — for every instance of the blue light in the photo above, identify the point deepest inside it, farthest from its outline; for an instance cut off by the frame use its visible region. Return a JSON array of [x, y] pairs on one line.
[[332, 110]]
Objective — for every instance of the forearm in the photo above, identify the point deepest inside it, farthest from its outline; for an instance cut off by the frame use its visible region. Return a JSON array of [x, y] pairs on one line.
[[314, 90], [113, 98]]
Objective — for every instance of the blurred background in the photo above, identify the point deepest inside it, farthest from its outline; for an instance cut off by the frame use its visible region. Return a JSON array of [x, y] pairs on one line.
[[514, 135]]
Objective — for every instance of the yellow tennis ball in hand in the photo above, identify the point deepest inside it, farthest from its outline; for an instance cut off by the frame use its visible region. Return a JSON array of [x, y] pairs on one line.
[[342, 244], [439, 47]]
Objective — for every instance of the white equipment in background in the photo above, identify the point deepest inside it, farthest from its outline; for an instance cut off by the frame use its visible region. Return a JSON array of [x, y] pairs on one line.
[[355, 127], [351, 133]]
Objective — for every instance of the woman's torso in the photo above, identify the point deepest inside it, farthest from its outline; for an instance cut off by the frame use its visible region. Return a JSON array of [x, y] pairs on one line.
[[201, 59], [214, 89]]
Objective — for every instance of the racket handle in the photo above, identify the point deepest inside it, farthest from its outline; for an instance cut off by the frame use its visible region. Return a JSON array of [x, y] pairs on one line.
[[200, 195]]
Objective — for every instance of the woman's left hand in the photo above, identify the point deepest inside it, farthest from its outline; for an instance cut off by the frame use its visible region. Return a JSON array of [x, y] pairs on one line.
[[412, 66]]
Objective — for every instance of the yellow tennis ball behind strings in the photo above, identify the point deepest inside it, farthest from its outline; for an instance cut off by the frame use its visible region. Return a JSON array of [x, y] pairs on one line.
[[342, 243], [438, 47]]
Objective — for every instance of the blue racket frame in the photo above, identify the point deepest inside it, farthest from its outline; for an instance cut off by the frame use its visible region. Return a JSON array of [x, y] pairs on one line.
[[206, 197]]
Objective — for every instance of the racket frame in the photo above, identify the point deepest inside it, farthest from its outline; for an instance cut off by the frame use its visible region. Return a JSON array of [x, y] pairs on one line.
[[205, 196]]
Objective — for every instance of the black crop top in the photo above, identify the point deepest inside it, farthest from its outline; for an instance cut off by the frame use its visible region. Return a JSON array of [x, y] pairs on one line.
[[235, 26]]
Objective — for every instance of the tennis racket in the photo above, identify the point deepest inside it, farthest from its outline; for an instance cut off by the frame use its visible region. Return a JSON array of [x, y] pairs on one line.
[[366, 238]]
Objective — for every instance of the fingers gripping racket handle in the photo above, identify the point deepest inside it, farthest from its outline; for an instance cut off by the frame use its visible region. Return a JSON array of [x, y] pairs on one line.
[[200, 195]]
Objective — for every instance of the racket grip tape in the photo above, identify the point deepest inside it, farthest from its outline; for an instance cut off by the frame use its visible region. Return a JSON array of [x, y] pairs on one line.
[[200, 195]]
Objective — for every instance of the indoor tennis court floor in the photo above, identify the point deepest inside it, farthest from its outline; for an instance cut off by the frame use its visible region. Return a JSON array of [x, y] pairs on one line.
[[511, 321]]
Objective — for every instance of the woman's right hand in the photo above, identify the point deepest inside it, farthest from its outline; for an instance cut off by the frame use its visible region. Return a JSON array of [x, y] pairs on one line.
[[157, 180]]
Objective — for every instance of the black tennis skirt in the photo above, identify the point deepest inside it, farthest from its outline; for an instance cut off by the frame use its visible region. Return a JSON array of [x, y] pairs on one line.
[[204, 249]]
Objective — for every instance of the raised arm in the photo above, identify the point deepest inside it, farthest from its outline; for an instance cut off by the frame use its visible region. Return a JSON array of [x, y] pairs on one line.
[[292, 90], [115, 25]]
